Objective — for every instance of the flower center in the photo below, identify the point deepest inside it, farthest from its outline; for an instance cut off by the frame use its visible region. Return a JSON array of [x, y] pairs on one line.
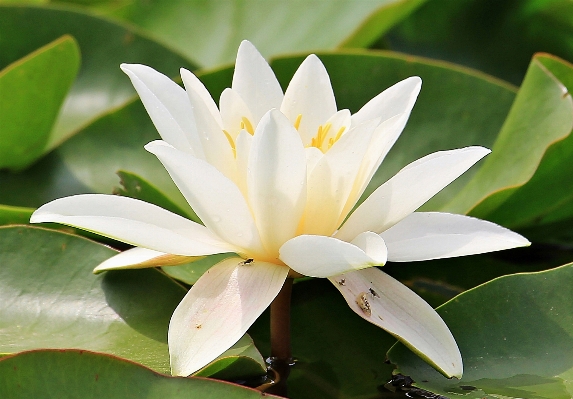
[[320, 140]]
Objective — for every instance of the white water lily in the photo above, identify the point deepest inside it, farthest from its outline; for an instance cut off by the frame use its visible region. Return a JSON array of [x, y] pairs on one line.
[[274, 178]]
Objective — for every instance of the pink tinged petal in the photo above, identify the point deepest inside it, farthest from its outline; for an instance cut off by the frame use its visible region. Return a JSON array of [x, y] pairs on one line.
[[276, 180], [436, 235], [310, 95], [219, 309], [395, 100], [138, 258], [320, 256], [410, 188], [134, 222], [233, 110], [168, 106], [192, 82], [332, 180], [387, 303], [215, 199], [216, 147], [255, 82]]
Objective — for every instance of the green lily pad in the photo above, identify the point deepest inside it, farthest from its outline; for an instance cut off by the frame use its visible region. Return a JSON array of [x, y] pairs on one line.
[[34, 88], [51, 299], [209, 32], [100, 86], [515, 334], [14, 214], [53, 374], [528, 175]]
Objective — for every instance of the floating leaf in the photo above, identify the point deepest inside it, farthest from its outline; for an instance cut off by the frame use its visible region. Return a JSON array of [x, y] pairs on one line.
[[14, 214], [528, 174], [33, 89], [52, 374]]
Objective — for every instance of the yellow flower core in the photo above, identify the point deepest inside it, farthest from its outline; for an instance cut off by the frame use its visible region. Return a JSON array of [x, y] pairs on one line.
[[318, 141]]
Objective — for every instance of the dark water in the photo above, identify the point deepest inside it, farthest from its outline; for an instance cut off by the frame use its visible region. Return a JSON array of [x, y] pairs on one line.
[[399, 387]]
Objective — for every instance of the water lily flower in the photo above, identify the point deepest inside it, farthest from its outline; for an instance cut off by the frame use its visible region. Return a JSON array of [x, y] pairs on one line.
[[274, 178]]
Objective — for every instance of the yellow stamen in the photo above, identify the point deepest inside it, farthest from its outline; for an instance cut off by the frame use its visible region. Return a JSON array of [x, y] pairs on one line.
[[335, 138], [318, 141], [297, 121], [246, 124], [231, 141]]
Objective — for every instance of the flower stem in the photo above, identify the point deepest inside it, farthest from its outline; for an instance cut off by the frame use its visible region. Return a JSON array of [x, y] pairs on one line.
[[281, 356], [280, 323]]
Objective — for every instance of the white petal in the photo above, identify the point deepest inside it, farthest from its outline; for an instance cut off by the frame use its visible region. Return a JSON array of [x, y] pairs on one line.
[[138, 258], [192, 82], [320, 256], [309, 94], [276, 180], [233, 110], [255, 82], [167, 105], [387, 303], [219, 309], [394, 100], [216, 147], [215, 199], [382, 141], [393, 107], [313, 155], [134, 222], [435, 235], [243, 143], [410, 188], [332, 180]]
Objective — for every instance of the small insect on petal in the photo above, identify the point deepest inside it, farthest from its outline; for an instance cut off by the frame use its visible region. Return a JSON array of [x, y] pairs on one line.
[[342, 281], [363, 303], [246, 262]]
